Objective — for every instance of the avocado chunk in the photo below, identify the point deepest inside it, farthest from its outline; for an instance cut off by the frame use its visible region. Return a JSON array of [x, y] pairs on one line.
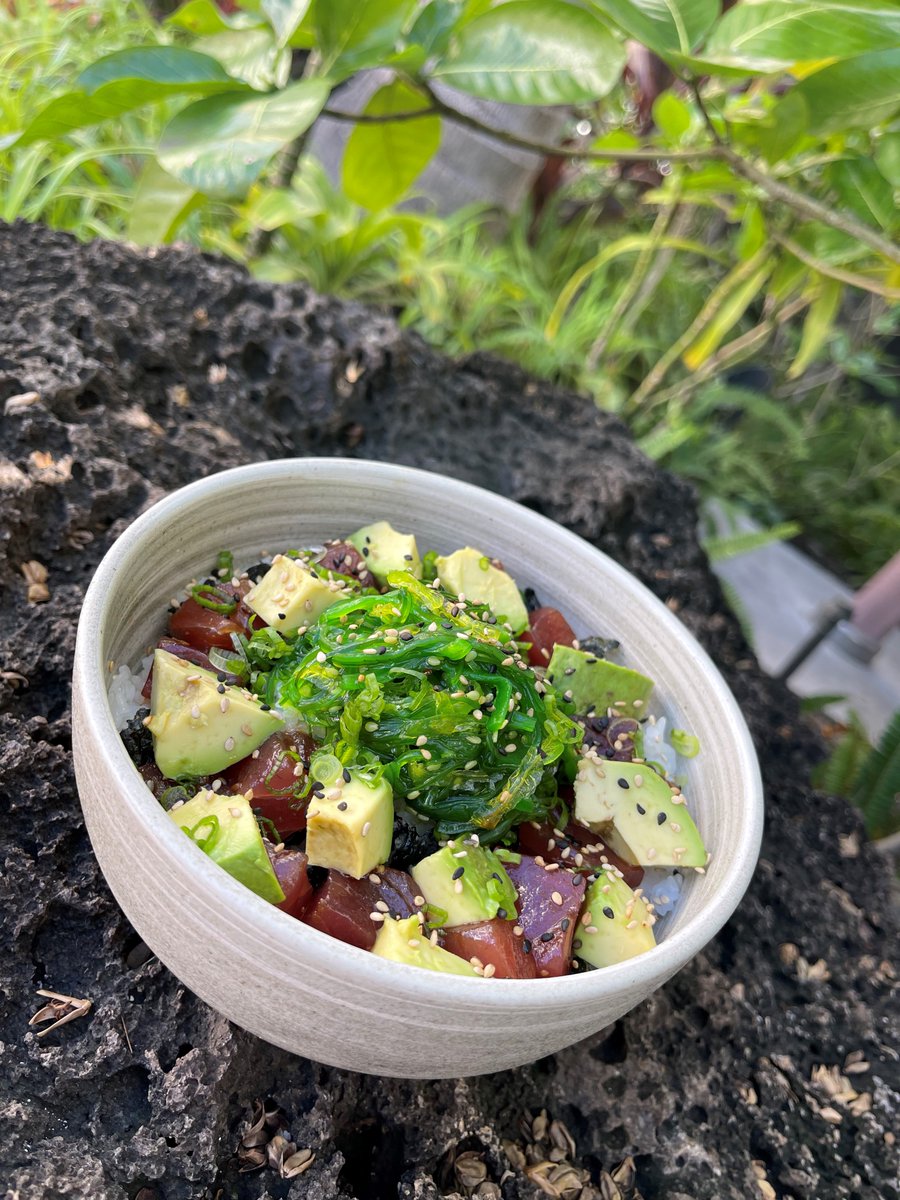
[[643, 810], [350, 827], [290, 595], [225, 829], [472, 574], [621, 922], [468, 883], [405, 941], [386, 550], [593, 684], [198, 730]]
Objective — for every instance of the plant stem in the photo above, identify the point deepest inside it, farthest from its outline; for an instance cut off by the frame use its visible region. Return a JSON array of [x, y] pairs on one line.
[[708, 312], [633, 286], [806, 206], [823, 268]]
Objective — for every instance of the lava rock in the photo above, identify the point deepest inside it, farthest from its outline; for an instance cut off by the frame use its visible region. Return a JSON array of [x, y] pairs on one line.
[[154, 368]]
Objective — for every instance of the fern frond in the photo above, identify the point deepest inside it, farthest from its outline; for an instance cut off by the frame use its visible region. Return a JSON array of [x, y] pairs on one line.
[[720, 549], [877, 792]]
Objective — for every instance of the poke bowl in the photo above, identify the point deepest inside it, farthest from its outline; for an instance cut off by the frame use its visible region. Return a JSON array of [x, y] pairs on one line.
[[262, 911]]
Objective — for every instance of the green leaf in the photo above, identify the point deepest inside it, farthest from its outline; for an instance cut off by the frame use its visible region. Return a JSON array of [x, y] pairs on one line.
[[284, 16], [534, 52], [887, 158], [434, 25], [662, 24], [271, 208], [672, 116], [733, 545], [877, 790], [160, 205], [174, 68], [814, 704], [775, 35], [203, 17], [753, 232], [250, 55], [818, 324], [863, 189], [861, 91], [733, 306], [121, 82], [354, 34], [381, 162], [220, 145]]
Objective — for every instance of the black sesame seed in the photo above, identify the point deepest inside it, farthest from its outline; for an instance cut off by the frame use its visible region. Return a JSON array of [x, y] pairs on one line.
[[447, 624], [494, 875], [502, 914], [408, 557], [454, 610], [608, 912], [405, 635], [220, 688], [564, 924], [623, 783], [282, 616], [365, 551], [578, 881], [458, 873], [265, 707], [569, 671], [641, 809], [346, 775], [526, 946], [382, 649], [576, 945], [221, 677], [342, 805], [548, 936], [661, 818]]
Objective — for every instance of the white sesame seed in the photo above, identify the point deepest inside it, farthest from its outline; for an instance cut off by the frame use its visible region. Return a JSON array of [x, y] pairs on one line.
[[591, 929], [421, 739], [489, 970], [376, 916], [556, 897], [247, 729], [235, 812], [229, 743], [195, 712], [458, 887]]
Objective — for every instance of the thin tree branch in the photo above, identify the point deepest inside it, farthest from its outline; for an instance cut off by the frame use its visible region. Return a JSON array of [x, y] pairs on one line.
[[850, 277], [376, 119], [704, 112], [806, 206]]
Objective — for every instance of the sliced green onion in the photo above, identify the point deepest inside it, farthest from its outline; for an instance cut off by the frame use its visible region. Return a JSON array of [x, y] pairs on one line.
[[325, 767], [214, 598], [685, 744], [228, 660]]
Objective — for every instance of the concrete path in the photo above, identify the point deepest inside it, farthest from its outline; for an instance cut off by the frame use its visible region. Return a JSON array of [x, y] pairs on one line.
[[781, 591]]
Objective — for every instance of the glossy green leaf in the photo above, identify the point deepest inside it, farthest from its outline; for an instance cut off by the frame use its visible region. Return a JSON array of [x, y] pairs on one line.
[[220, 145], [159, 207], [284, 16], [173, 68], [787, 278], [251, 55], [122, 82], [381, 162], [887, 158], [671, 116], [861, 91], [534, 52], [434, 25], [818, 324], [662, 24], [863, 189], [354, 34], [204, 17], [776, 35]]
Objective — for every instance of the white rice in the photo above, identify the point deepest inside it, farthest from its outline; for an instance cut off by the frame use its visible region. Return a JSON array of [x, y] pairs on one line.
[[125, 691], [657, 749], [662, 887]]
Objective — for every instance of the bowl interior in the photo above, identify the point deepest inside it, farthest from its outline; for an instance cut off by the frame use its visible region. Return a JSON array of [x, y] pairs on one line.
[[269, 507]]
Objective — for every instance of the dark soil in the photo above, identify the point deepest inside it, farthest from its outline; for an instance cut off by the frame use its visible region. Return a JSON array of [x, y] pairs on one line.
[[154, 369]]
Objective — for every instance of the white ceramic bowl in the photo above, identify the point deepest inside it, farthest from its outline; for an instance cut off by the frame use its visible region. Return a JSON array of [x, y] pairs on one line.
[[296, 987]]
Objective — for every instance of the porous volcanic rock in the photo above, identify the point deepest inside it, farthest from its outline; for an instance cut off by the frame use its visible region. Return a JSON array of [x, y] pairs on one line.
[[153, 369]]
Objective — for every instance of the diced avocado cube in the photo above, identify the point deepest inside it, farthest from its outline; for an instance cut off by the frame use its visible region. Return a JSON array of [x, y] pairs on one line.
[[467, 882], [350, 828], [642, 809], [386, 550], [198, 730], [615, 923], [405, 941], [225, 829], [472, 574], [289, 595], [590, 683]]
